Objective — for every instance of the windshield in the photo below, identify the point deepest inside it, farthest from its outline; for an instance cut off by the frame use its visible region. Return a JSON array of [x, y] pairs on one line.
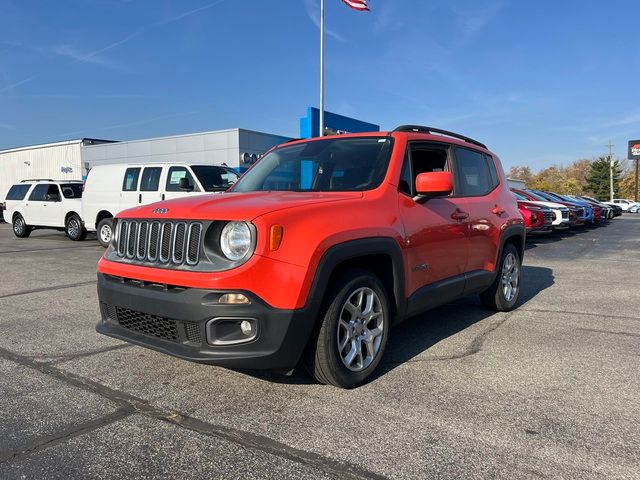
[[331, 165], [71, 190], [519, 197], [536, 196], [213, 178]]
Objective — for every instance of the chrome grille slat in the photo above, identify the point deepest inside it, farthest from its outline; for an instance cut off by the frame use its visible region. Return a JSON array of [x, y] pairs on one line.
[[151, 241], [141, 241], [180, 232]]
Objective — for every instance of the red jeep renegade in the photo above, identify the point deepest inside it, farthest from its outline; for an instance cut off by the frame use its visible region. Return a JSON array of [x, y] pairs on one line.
[[315, 253]]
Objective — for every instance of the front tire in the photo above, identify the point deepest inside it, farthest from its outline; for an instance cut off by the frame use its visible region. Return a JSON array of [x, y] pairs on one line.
[[502, 295], [75, 229], [20, 227], [105, 231], [353, 334]]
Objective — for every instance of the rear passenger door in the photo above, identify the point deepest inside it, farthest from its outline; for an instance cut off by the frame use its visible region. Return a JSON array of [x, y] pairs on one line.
[[476, 183], [129, 196], [150, 185], [34, 210]]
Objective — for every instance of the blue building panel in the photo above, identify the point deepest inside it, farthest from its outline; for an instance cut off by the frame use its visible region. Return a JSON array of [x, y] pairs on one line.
[[310, 125]]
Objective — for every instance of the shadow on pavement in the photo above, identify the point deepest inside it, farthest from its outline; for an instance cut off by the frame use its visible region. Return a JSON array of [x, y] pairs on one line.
[[417, 334]]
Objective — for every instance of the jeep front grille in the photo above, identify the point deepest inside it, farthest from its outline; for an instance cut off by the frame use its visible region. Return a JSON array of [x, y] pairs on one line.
[[152, 241]]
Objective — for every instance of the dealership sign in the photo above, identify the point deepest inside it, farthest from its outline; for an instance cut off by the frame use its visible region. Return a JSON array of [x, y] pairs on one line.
[[634, 150]]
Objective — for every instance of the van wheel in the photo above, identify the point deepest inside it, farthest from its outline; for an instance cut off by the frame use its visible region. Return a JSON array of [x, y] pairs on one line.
[[502, 295], [353, 334], [20, 228], [105, 231], [74, 229]]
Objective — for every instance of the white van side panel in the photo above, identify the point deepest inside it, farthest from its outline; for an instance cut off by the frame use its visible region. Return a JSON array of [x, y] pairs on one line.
[[102, 193]]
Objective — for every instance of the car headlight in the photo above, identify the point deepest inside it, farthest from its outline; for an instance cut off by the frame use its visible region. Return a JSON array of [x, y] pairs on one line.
[[236, 241]]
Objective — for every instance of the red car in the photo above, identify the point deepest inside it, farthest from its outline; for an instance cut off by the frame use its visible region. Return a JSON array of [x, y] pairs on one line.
[[315, 252], [537, 219]]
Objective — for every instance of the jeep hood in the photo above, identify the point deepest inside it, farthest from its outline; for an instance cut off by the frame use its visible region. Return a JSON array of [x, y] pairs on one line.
[[233, 206]]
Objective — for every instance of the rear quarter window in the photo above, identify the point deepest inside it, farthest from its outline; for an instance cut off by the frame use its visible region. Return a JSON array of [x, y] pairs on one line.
[[18, 192]]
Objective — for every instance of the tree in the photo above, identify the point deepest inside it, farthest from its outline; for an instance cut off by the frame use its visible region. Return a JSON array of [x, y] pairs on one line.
[[521, 173], [628, 184], [598, 178]]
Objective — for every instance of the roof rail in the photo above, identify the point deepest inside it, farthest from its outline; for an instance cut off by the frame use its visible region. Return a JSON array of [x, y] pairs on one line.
[[422, 129], [37, 180]]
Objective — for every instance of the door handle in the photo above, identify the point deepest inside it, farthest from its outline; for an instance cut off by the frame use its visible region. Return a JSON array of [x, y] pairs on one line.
[[497, 210], [459, 215], [139, 198], [163, 196]]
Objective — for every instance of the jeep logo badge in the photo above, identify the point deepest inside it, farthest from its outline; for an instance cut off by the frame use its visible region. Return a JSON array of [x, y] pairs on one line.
[[161, 211]]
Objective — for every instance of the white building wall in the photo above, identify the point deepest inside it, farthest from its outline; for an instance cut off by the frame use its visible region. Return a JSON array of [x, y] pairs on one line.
[[215, 148], [58, 161], [209, 148]]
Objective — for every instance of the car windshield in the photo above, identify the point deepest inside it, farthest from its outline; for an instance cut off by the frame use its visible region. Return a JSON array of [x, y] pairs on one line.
[[213, 178], [328, 165], [71, 190], [535, 195], [520, 197]]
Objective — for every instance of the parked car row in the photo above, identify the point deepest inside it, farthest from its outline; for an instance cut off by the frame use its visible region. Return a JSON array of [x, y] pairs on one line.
[[544, 212], [77, 208]]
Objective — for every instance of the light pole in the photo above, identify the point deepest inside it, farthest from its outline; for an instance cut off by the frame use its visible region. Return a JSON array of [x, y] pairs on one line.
[[321, 120], [610, 171]]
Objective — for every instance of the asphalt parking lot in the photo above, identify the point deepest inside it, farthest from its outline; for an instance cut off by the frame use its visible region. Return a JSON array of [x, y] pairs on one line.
[[549, 390]]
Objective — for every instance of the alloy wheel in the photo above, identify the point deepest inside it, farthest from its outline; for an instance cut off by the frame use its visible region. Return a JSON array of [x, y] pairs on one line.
[[360, 329], [510, 277]]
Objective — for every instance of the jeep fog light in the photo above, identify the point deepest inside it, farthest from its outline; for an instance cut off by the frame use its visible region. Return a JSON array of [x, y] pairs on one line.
[[246, 327], [234, 299]]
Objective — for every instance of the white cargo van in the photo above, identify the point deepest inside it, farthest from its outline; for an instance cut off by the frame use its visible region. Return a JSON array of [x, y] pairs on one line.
[[109, 189]]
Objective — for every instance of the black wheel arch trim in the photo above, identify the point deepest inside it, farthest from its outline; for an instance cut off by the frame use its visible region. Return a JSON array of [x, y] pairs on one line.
[[352, 250]]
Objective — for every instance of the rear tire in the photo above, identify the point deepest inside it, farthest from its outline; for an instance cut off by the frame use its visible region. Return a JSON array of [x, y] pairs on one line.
[[105, 231], [75, 229], [20, 227], [503, 294], [352, 337]]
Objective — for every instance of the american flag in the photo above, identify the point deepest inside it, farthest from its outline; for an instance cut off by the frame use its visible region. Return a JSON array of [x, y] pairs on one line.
[[360, 5]]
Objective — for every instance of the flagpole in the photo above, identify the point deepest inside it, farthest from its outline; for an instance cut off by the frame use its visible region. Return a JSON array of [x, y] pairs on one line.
[[321, 68]]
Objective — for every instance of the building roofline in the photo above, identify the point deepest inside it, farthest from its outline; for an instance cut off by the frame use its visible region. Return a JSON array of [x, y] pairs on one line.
[[56, 144], [225, 130]]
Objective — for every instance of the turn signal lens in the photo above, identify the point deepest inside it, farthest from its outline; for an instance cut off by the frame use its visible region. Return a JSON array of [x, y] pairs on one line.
[[275, 237], [234, 299]]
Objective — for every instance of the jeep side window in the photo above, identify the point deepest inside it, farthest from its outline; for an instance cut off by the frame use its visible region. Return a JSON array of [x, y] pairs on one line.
[[130, 182], [421, 159], [493, 174], [474, 176], [150, 179], [39, 193]]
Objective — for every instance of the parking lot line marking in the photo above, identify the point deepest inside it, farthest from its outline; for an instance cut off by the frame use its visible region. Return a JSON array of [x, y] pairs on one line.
[[571, 312], [133, 404], [46, 289], [66, 434]]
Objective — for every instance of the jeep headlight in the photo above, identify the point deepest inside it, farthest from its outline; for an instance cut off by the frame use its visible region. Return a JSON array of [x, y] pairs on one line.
[[236, 241]]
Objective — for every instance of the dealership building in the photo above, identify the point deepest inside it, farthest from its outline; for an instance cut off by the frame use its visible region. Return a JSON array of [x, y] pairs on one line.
[[237, 148]]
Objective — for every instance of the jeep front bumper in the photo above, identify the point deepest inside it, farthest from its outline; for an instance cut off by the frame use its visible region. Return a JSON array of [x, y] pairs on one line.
[[190, 323]]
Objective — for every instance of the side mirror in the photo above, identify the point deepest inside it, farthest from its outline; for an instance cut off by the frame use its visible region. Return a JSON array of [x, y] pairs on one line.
[[52, 197], [185, 184], [433, 184]]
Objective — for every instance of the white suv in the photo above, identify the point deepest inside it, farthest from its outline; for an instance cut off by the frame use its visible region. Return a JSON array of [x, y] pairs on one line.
[[34, 204], [623, 203]]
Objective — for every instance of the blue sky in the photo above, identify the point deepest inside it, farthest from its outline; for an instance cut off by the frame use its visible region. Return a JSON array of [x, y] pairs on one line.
[[541, 83]]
